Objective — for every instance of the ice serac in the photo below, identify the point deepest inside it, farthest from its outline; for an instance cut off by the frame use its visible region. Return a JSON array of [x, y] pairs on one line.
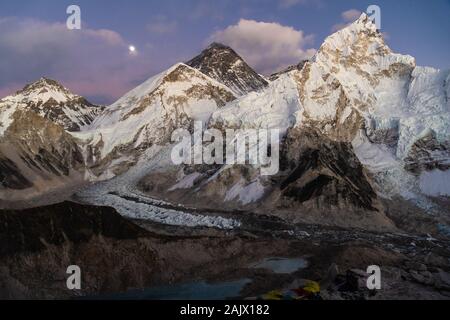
[[52, 101], [223, 64], [149, 114]]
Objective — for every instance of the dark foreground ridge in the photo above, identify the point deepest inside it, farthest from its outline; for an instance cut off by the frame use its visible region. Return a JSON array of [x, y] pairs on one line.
[[124, 259]]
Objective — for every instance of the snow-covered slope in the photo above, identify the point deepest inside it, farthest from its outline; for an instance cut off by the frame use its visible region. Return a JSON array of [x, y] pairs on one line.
[[52, 101], [150, 113], [274, 107]]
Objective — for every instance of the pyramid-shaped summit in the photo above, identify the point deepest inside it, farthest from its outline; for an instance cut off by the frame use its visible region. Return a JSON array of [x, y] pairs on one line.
[[223, 64]]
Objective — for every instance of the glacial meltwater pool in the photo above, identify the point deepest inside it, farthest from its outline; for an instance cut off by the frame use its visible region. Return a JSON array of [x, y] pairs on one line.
[[202, 290], [185, 291], [281, 265]]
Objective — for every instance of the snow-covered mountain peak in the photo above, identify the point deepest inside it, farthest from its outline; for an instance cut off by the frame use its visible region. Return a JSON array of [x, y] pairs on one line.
[[45, 89], [50, 100], [127, 100], [356, 105], [148, 114], [355, 84], [223, 64], [355, 71], [179, 83], [360, 46], [363, 28], [356, 81]]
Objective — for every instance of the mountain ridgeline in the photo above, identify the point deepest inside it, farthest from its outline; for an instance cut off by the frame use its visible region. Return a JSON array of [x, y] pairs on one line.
[[360, 126]]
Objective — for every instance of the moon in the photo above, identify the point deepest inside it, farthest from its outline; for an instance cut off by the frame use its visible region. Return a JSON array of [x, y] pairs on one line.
[[132, 49]]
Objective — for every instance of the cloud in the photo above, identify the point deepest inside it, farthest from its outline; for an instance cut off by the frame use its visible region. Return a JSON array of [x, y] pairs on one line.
[[266, 46], [162, 25], [91, 62], [348, 17]]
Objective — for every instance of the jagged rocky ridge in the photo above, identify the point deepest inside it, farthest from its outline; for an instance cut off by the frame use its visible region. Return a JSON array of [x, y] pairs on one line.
[[298, 66]]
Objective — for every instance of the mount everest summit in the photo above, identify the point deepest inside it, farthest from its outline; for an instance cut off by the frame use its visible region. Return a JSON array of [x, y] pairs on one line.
[[362, 129]]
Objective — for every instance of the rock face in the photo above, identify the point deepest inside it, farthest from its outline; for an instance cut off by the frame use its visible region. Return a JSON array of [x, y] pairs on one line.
[[39, 244], [37, 151], [428, 153], [224, 65], [298, 67], [33, 230], [320, 181], [326, 172], [37, 155], [11, 176]]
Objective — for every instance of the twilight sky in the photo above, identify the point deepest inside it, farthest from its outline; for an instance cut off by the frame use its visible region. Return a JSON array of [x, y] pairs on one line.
[[270, 34]]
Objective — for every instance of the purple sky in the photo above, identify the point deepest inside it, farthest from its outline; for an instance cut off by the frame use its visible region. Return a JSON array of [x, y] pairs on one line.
[[270, 34]]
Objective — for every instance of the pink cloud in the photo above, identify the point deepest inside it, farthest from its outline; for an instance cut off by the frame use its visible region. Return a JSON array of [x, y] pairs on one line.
[[91, 62], [266, 46]]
